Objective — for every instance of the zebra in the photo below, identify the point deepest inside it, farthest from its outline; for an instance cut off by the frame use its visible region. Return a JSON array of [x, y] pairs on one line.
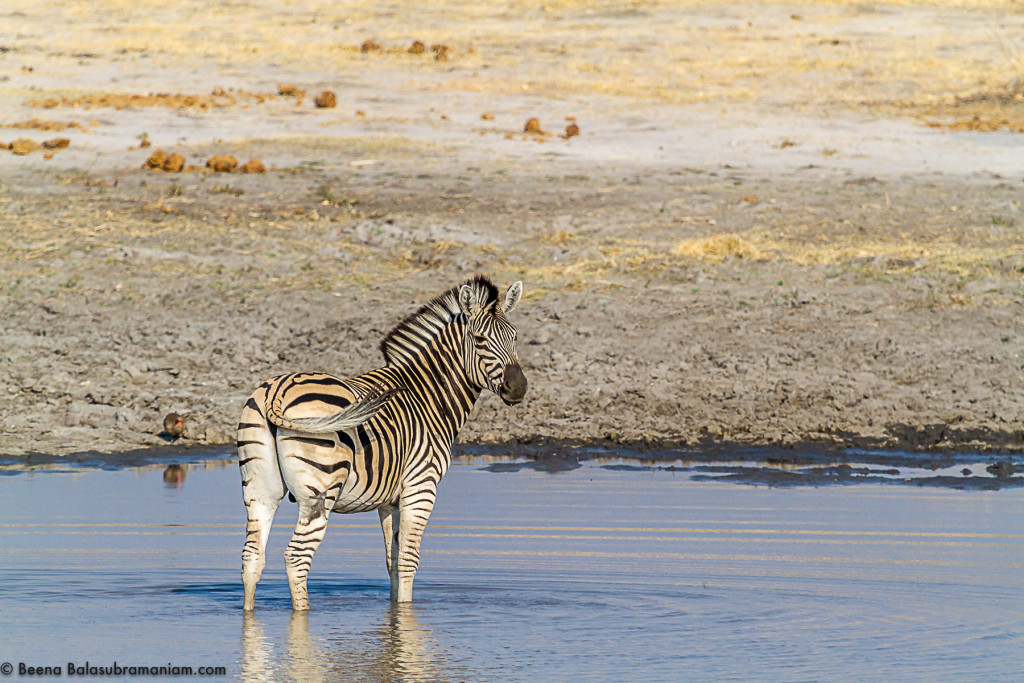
[[378, 441]]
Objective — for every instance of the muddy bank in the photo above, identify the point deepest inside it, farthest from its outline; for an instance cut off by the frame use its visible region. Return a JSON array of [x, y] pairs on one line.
[[116, 313]]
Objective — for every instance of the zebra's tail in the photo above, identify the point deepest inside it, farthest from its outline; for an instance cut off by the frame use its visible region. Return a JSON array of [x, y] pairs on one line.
[[355, 414]]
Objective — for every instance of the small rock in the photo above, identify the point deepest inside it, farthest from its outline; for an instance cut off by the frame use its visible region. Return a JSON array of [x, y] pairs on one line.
[[222, 163], [417, 47], [571, 131], [133, 372], [290, 90], [125, 418], [487, 116], [750, 199], [326, 100], [370, 45], [532, 126], [214, 436], [57, 143]]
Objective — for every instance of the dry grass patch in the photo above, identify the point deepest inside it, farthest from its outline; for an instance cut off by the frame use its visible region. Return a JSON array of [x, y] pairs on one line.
[[170, 100], [46, 125], [717, 248], [635, 258], [943, 256], [558, 238]]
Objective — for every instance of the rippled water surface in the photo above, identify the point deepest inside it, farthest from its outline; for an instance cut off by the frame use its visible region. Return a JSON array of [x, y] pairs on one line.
[[591, 573]]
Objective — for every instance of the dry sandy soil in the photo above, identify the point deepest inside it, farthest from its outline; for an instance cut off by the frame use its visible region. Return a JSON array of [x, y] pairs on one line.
[[781, 224]]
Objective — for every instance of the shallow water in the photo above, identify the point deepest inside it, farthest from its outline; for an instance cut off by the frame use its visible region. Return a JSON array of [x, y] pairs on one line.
[[591, 573]]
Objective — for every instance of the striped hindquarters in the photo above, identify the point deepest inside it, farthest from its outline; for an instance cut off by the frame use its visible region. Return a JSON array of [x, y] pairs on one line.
[[340, 440]]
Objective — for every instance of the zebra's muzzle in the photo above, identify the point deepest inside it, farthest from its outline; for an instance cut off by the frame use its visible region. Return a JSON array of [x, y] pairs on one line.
[[513, 384]]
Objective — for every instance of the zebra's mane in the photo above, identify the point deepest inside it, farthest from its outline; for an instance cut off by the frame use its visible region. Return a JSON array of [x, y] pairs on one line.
[[413, 333]]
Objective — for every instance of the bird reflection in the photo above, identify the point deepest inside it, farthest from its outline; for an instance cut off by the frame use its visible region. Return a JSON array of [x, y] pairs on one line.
[[398, 649], [174, 476]]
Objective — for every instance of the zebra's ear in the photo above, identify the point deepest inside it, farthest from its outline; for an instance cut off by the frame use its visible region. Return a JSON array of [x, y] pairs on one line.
[[468, 300], [512, 296]]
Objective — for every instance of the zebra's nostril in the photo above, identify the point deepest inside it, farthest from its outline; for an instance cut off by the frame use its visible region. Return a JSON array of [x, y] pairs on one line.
[[514, 382]]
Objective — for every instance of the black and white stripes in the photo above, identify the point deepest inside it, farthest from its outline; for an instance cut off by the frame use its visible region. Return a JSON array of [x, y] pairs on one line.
[[380, 441]]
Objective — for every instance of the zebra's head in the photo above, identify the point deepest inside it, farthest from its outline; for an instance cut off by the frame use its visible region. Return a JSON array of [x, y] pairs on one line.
[[491, 358]]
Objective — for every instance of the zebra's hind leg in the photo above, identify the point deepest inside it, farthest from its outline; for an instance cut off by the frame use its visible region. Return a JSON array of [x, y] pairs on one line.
[[262, 491], [257, 531], [309, 532]]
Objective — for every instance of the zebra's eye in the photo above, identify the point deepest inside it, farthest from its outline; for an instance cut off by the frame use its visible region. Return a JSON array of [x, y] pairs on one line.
[[479, 339]]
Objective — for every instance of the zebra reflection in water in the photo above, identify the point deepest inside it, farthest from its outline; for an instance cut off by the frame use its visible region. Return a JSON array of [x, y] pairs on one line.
[[397, 648], [379, 441]]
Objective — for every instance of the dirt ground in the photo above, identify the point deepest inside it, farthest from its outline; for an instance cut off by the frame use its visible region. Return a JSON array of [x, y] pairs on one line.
[[758, 237]]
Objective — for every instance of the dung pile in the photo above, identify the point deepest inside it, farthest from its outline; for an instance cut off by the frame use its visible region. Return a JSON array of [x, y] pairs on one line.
[[326, 100], [222, 163]]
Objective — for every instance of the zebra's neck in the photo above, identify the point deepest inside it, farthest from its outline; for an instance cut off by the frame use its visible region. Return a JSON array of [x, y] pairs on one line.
[[436, 375]]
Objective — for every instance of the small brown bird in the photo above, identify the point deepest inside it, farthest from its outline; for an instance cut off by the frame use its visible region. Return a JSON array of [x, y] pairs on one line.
[[174, 425]]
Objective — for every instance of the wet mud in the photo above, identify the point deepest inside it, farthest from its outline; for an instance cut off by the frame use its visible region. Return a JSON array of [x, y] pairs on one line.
[[772, 466], [759, 466]]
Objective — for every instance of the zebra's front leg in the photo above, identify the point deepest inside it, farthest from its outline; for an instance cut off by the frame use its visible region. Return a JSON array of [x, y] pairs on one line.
[[298, 556], [412, 515]]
